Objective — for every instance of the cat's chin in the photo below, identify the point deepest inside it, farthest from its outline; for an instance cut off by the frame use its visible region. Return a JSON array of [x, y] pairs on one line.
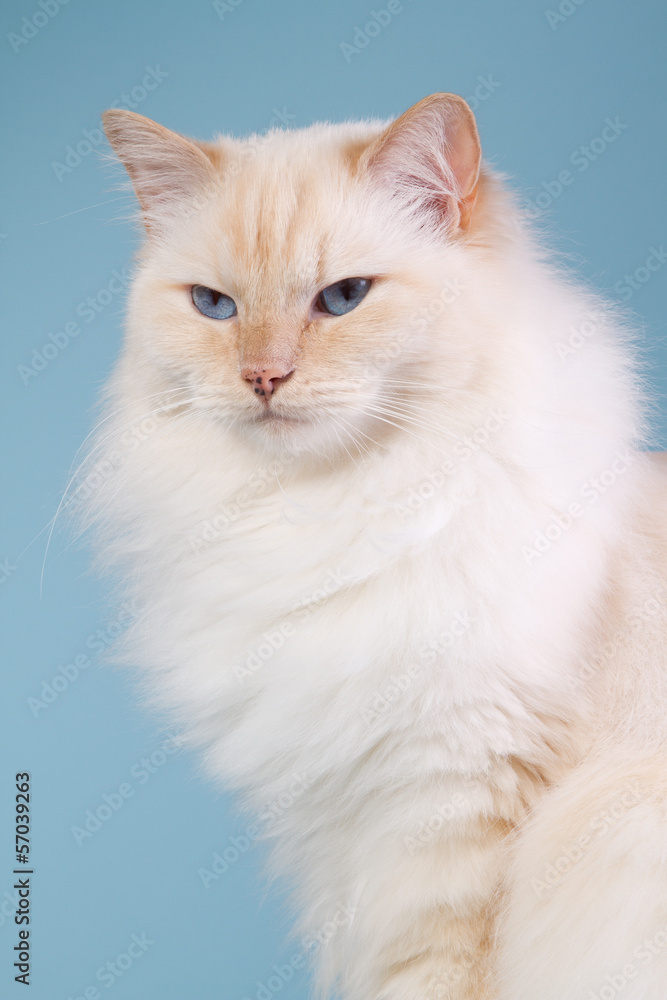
[[280, 425], [271, 418], [282, 431], [297, 435]]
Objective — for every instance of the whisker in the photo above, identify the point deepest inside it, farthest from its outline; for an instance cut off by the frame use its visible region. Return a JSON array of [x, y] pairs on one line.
[[98, 513], [409, 418], [86, 208], [352, 428], [334, 427], [114, 413], [115, 432], [416, 385], [392, 423], [62, 505]]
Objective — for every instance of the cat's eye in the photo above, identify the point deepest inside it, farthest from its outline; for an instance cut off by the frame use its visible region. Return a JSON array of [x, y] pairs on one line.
[[343, 296], [215, 305]]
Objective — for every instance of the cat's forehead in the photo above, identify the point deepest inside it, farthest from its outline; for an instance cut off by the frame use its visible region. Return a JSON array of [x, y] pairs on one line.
[[292, 204]]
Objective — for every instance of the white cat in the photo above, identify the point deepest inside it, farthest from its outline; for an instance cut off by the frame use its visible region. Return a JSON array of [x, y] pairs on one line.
[[372, 464]]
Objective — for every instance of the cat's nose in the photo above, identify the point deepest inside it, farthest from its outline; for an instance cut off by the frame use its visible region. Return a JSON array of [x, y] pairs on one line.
[[265, 381]]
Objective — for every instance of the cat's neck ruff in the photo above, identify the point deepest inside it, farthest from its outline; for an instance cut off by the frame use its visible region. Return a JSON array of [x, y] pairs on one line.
[[289, 601]]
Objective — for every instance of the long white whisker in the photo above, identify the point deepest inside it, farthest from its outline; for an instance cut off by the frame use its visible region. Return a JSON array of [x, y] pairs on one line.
[[409, 418], [86, 208], [400, 427], [108, 437], [352, 429], [334, 427], [111, 499], [119, 409], [64, 505]]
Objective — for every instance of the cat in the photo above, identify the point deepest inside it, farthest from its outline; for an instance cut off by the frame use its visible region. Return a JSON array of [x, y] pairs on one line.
[[374, 466]]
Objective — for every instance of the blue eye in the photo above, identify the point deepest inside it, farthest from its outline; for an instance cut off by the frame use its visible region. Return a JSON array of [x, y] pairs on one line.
[[344, 296], [214, 304]]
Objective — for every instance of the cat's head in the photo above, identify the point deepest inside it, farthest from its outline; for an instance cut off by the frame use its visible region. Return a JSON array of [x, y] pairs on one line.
[[304, 286]]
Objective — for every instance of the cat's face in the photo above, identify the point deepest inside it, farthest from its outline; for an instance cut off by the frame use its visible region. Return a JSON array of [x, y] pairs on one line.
[[294, 286]]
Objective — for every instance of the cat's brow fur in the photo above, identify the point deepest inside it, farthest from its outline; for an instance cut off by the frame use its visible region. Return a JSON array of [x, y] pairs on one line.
[[389, 613]]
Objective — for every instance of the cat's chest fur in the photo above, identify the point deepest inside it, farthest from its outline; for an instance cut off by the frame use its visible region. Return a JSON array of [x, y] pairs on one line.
[[315, 625]]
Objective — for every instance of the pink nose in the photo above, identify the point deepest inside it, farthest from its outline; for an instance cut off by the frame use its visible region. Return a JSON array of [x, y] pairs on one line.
[[265, 381]]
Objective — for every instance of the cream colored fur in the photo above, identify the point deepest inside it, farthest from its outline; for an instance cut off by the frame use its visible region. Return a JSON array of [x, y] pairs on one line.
[[391, 605]]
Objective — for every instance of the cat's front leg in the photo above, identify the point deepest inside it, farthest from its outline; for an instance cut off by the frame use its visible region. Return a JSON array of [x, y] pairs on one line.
[[456, 962], [424, 920], [586, 911]]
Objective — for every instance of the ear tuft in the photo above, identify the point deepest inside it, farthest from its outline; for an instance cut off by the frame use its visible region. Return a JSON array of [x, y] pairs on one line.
[[430, 157], [167, 170]]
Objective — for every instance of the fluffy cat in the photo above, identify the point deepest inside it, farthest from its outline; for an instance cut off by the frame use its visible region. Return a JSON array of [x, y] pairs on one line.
[[372, 464]]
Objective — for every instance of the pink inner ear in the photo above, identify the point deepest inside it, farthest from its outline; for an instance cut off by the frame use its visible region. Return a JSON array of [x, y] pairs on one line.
[[465, 155], [431, 156], [165, 168]]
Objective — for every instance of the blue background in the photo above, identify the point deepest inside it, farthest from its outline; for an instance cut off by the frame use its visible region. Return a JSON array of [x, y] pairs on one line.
[[554, 84]]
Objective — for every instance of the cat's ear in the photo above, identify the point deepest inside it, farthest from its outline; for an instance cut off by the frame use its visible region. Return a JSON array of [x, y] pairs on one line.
[[168, 171], [431, 157]]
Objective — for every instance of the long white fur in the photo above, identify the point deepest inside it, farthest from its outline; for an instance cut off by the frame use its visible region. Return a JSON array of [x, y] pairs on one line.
[[428, 789]]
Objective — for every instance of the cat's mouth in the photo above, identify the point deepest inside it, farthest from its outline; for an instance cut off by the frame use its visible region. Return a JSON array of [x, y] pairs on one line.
[[273, 417]]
